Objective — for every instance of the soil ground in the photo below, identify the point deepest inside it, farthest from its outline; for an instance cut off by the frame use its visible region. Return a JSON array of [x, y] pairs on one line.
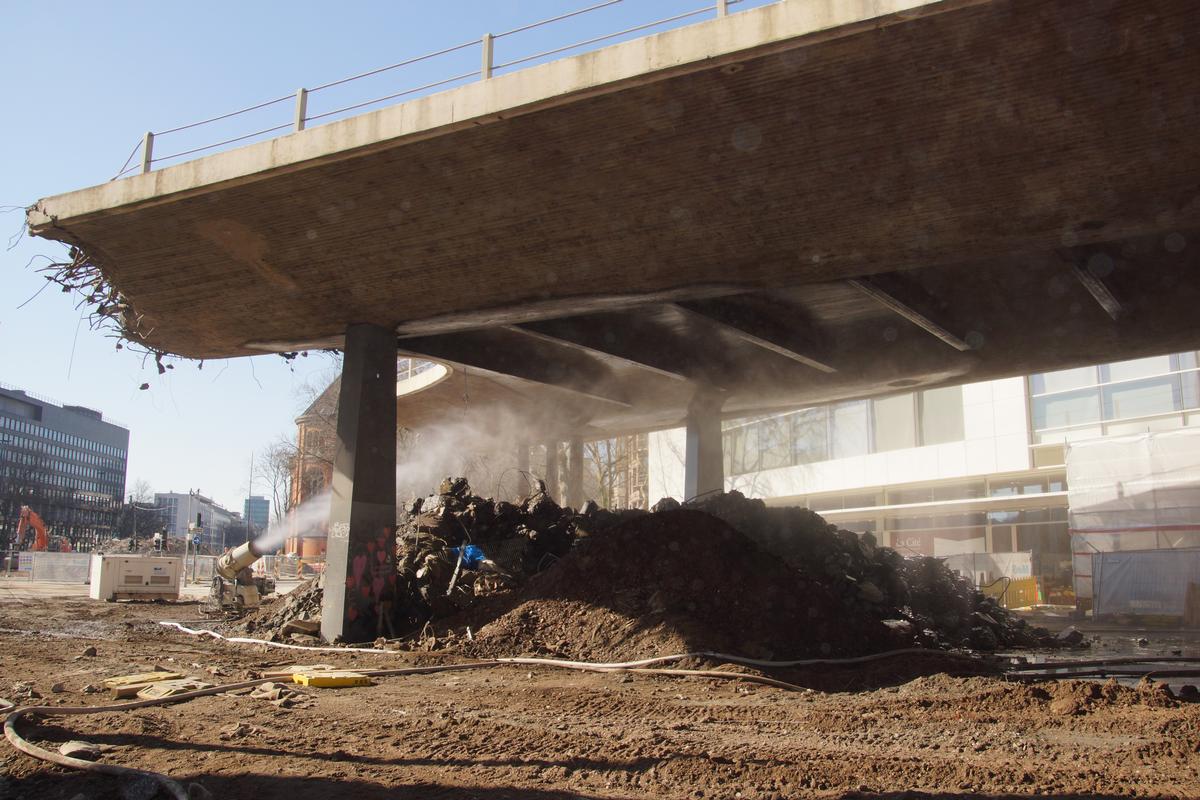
[[520, 733]]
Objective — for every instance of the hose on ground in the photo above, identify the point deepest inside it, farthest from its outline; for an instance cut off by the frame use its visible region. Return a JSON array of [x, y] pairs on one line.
[[621, 665], [641, 666], [1148, 672], [176, 790], [1104, 662]]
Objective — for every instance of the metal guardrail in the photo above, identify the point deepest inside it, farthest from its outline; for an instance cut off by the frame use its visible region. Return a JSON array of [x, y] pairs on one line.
[[47, 566], [487, 69]]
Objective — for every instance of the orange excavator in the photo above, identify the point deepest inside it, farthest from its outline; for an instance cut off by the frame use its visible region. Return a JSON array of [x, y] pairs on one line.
[[30, 519]]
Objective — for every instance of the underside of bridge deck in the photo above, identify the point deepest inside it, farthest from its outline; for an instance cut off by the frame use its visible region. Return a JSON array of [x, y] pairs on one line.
[[956, 192]]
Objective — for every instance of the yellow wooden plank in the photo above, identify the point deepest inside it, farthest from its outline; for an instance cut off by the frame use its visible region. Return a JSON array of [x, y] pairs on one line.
[[331, 679]]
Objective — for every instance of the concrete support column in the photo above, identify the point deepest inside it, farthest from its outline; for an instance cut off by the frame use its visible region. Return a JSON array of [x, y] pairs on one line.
[[360, 568], [704, 465], [575, 473], [551, 475]]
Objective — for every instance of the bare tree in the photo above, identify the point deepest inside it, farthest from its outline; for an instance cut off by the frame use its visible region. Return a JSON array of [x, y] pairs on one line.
[[604, 463], [141, 491], [277, 465], [615, 471]]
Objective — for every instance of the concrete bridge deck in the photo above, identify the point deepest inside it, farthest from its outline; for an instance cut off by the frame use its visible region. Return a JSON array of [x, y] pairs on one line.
[[806, 201], [975, 152]]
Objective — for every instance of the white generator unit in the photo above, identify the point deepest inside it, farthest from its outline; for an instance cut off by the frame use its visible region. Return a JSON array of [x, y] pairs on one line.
[[117, 577]]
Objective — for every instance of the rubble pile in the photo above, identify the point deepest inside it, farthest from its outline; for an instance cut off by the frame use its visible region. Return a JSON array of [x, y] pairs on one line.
[[143, 545], [920, 597], [724, 573], [675, 581], [456, 547], [294, 617]]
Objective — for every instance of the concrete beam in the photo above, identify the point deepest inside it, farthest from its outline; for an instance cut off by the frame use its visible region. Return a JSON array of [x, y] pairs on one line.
[[360, 568], [1093, 280], [911, 302], [704, 464], [575, 472], [751, 322], [570, 371], [608, 341]]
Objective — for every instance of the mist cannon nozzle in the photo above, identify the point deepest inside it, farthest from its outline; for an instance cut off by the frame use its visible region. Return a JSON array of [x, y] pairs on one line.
[[236, 560]]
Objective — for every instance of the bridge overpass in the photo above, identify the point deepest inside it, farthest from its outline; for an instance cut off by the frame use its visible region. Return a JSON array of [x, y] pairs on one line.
[[808, 201]]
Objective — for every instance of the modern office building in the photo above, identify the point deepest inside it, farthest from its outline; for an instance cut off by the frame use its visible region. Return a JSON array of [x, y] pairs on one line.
[[256, 510], [65, 462], [183, 509], [979, 468]]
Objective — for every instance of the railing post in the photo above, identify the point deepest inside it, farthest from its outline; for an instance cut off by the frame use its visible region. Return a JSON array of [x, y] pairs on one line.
[[301, 108], [147, 152], [722, 8], [485, 71]]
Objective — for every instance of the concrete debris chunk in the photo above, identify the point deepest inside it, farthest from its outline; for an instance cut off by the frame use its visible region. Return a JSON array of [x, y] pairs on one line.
[[1071, 636], [280, 695], [85, 751], [308, 627], [239, 730], [160, 689], [141, 677]]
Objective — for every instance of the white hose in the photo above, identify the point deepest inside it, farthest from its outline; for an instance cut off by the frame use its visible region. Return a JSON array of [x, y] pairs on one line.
[[641, 666], [616, 665]]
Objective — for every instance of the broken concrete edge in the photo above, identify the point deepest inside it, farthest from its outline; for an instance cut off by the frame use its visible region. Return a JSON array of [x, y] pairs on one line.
[[712, 44], [111, 310]]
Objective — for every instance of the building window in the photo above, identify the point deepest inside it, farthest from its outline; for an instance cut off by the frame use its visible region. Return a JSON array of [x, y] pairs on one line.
[[942, 415], [775, 442], [1066, 410], [844, 430], [810, 435], [1143, 398], [849, 432], [1123, 397], [894, 423]]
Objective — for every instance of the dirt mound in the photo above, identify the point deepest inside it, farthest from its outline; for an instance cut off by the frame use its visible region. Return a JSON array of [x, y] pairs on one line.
[[678, 580], [927, 603], [1062, 698], [276, 619]]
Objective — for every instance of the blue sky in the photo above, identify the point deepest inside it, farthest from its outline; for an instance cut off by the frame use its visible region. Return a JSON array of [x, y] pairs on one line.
[[82, 81]]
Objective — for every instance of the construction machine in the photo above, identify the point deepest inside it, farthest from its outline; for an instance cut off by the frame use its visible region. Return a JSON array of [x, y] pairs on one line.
[[30, 521], [235, 587]]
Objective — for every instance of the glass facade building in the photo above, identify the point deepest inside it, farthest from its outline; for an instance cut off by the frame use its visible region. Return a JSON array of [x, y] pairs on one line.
[[65, 462], [1146, 394], [256, 511], [843, 430], [977, 468]]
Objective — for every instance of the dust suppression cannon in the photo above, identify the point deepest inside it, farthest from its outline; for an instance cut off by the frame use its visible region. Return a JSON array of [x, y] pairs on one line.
[[235, 587]]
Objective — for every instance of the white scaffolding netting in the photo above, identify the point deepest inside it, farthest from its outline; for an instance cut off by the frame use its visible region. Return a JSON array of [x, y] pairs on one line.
[[1129, 494]]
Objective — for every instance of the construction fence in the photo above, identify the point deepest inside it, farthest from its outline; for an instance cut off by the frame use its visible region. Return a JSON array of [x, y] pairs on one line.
[[1129, 497], [77, 567], [1152, 583]]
